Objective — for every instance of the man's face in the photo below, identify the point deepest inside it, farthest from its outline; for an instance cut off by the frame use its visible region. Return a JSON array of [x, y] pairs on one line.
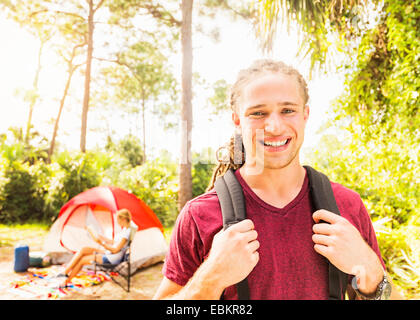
[[272, 118]]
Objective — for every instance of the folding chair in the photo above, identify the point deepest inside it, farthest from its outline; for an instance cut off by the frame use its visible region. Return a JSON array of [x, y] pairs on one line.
[[119, 268]]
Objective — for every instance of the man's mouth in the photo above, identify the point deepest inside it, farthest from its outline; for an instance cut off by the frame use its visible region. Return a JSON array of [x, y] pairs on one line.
[[276, 143]]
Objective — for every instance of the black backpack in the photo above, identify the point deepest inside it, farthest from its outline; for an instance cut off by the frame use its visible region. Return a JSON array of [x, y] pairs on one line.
[[232, 203]]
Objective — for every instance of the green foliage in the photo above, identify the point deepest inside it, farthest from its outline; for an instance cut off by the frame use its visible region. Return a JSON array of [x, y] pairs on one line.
[[129, 148], [202, 170], [21, 198], [156, 183], [376, 151], [219, 99], [13, 146], [82, 171]]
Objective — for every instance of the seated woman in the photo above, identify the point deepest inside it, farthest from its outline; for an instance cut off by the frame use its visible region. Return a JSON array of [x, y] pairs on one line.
[[113, 253]]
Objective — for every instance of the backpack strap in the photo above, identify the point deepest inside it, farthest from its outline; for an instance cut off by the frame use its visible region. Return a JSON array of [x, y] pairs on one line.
[[323, 198], [232, 203]]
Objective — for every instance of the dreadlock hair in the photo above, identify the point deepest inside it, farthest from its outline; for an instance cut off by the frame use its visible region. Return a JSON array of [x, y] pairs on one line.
[[234, 151]]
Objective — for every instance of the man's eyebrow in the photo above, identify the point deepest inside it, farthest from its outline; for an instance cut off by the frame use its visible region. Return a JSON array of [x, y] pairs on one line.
[[283, 103], [256, 106], [288, 103]]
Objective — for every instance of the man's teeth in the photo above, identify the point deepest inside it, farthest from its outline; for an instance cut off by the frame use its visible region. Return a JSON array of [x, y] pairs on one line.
[[275, 144]]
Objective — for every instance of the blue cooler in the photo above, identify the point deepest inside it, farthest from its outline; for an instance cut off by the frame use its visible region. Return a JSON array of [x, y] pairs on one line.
[[21, 261]]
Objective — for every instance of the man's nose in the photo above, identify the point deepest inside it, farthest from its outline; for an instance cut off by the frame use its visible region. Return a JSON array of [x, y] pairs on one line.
[[274, 124]]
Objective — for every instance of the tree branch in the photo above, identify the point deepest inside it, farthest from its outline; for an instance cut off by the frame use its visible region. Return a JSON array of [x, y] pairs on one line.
[[156, 12], [121, 63], [98, 5], [241, 14], [58, 12]]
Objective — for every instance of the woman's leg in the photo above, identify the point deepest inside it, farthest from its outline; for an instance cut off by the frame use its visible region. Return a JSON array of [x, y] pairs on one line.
[[83, 261], [85, 251]]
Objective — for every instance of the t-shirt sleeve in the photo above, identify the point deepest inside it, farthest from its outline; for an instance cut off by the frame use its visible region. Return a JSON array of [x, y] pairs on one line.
[[184, 254], [126, 233], [123, 234]]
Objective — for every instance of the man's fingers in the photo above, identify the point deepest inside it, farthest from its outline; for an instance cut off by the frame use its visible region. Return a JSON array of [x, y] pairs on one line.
[[251, 235], [256, 257], [322, 239], [254, 245], [326, 216], [242, 226], [321, 249], [322, 228]]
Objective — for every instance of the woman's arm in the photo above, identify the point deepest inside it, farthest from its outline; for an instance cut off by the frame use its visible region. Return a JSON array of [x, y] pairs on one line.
[[97, 237], [114, 249], [105, 239]]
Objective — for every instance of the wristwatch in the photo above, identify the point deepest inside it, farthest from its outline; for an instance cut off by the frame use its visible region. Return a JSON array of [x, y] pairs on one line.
[[383, 291]]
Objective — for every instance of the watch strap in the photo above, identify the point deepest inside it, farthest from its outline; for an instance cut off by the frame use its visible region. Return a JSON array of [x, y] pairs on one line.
[[378, 293]]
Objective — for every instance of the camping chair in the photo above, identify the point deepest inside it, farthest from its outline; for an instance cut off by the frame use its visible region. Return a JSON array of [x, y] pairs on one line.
[[125, 263]]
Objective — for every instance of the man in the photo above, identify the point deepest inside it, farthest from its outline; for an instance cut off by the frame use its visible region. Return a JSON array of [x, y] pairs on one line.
[[282, 246]]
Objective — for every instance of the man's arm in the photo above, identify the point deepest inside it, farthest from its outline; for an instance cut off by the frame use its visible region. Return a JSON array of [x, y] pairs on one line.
[[202, 286], [167, 289], [221, 268]]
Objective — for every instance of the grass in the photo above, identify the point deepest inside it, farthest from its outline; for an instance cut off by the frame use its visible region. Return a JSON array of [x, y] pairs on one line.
[[12, 234]]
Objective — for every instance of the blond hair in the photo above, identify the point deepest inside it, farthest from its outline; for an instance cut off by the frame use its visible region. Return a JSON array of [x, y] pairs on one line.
[[124, 214], [245, 76]]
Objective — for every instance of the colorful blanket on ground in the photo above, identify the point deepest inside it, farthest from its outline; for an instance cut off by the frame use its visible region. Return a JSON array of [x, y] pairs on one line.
[[44, 283]]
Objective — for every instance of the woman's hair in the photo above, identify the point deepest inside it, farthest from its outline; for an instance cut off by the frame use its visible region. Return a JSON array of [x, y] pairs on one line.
[[245, 76], [124, 214]]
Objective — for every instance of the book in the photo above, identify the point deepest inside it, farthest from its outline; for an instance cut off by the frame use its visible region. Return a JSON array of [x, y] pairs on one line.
[[92, 232]]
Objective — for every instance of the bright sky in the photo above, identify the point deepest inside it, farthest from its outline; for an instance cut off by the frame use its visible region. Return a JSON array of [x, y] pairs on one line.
[[236, 50]]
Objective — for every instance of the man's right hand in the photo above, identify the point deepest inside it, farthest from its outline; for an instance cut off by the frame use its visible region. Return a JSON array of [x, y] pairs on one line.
[[232, 257], [234, 254]]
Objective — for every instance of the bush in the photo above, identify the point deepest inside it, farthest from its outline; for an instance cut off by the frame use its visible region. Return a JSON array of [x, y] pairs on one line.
[[129, 148], [80, 171], [201, 175], [202, 170], [21, 198], [156, 183]]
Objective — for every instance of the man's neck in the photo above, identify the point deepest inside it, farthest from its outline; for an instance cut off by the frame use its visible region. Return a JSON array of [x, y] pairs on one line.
[[282, 184]]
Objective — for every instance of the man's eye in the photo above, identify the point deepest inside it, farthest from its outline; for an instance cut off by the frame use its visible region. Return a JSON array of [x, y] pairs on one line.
[[288, 111]]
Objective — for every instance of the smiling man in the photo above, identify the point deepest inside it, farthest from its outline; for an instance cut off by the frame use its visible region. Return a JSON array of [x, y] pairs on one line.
[[283, 247]]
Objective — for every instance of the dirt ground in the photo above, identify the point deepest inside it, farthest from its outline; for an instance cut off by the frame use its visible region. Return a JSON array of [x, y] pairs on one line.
[[143, 284]]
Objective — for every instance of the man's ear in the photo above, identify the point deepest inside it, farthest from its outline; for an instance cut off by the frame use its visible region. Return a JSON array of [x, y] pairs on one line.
[[306, 113], [236, 120]]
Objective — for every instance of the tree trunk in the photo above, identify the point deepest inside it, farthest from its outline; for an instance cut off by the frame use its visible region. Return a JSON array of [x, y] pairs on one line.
[[35, 88], [185, 178], [144, 127], [63, 98], [87, 77]]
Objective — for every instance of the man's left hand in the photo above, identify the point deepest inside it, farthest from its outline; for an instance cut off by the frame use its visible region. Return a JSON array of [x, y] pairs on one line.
[[342, 244]]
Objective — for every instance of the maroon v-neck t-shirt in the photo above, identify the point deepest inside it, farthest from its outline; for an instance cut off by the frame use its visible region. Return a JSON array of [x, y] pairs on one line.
[[289, 268]]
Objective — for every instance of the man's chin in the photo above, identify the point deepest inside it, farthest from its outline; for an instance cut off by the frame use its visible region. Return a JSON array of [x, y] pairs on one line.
[[274, 164]]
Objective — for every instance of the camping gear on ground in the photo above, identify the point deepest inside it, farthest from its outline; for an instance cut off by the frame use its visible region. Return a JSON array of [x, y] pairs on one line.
[[43, 283], [39, 259], [96, 208], [21, 258], [232, 203]]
